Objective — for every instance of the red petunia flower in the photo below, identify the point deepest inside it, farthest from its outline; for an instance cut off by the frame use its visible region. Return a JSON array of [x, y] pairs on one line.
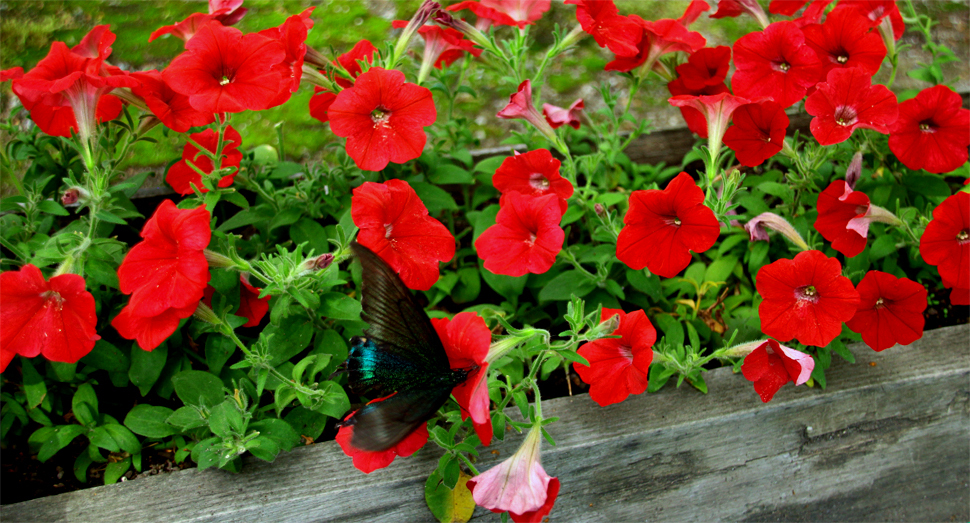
[[535, 173], [662, 227], [14, 73], [847, 101], [394, 223], [932, 132], [442, 45], [618, 367], [775, 63], [187, 28], [150, 331], [383, 118], [526, 236], [466, 339], [946, 241], [716, 109], [223, 70], [367, 461], [320, 102], [601, 20], [520, 106], [524, 12], [695, 119], [292, 34], [172, 108], [557, 116], [487, 16], [659, 38], [838, 207], [228, 12], [694, 10], [772, 365], [706, 67], [167, 269], [735, 8], [55, 318], [785, 7], [67, 90], [518, 485], [806, 299], [811, 15], [880, 13], [758, 132], [251, 306], [181, 176], [890, 310], [844, 41]]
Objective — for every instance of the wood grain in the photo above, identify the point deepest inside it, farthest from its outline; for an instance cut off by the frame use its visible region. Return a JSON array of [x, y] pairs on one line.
[[888, 440]]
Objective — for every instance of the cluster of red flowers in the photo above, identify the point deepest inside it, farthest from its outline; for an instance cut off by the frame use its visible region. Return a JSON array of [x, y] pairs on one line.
[[526, 236], [618, 367]]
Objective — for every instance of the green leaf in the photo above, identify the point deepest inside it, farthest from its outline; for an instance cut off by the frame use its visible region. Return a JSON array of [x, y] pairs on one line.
[[84, 404], [508, 286], [126, 440], [671, 328], [449, 505], [337, 306], [106, 356], [306, 422], [149, 421], [116, 469], [146, 367], [286, 217], [242, 218], [52, 207], [335, 404], [101, 272], [55, 438], [331, 343], [289, 338], [311, 232], [780, 190], [206, 453], [720, 269], [883, 246], [34, 386], [278, 430], [196, 387], [434, 198], [647, 285], [109, 217], [130, 186], [218, 350], [573, 213], [926, 184], [445, 173], [566, 284], [81, 465], [186, 417], [839, 348], [263, 448], [469, 285], [226, 420]]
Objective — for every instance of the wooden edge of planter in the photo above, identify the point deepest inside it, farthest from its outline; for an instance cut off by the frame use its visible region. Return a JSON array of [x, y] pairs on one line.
[[886, 441]]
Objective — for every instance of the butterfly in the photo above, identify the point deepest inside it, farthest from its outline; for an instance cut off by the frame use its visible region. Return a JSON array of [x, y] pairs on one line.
[[400, 357]]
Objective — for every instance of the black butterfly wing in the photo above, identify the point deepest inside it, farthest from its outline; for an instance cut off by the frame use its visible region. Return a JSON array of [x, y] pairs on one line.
[[383, 424], [397, 321]]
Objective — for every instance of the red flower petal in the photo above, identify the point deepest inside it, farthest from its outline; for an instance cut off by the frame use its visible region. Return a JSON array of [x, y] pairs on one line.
[[704, 68], [172, 108], [618, 367], [837, 205], [775, 63], [55, 318], [932, 132], [540, 513], [695, 119], [394, 223], [466, 339], [150, 331], [844, 41], [890, 311], [251, 306], [771, 365], [659, 38], [368, 462], [758, 132], [557, 116], [180, 176], [383, 118], [662, 227], [534, 173], [526, 236], [946, 241], [806, 299], [601, 20], [846, 101]]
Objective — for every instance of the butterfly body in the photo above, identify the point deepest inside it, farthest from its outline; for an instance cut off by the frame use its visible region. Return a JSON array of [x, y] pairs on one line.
[[400, 358]]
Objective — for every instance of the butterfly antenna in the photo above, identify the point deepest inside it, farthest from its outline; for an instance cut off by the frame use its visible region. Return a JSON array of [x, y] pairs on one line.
[[342, 368]]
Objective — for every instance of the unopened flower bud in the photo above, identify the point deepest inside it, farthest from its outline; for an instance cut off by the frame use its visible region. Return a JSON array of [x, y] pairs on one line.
[[600, 210], [216, 260], [204, 313], [73, 195], [318, 263], [854, 170], [743, 349], [756, 229], [605, 328], [445, 18]]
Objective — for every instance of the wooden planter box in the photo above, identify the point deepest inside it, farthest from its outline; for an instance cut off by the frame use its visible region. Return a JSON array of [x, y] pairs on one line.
[[889, 440]]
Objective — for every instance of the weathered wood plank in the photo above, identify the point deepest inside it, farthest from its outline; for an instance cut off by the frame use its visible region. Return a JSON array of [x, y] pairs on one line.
[[887, 441]]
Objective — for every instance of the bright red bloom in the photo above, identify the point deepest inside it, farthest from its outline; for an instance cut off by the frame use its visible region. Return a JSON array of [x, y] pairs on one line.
[[223, 70], [847, 101], [383, 118], [890, 310], [523, 12], [758, 132], [535, 173], [13, 73], [932, 132], [167, 269], [734, 8], [394, 223], [772, 365], [228, 12], [959, 296], [526, 236], [172, 108], [811, 15], [806, 299], [844, 41], [181, 176], [251, 306], [466, 339], [695, 119], [67, 89], [518, 485], [55, 318], [618, 367], [185, 29], [292, 34], [877, 11], [442, 45], [706, 67], [520, 106], [716, 109], [694, 10], [838, 207], [150, 331], [662, 227], [946, 241], [785, 7], [603, 22], [487, 16], [367, 461], [659, 38], [350, 62], [557, 116], [775, 63]]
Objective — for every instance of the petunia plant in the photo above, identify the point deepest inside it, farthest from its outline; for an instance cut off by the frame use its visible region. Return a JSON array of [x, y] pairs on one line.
[[220, 318]]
